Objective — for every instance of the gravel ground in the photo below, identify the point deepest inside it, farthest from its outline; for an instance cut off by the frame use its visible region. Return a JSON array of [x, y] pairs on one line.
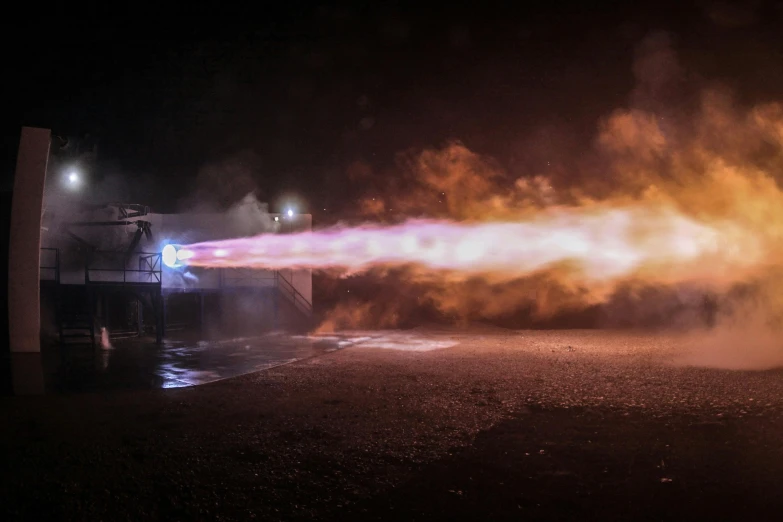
[[563, 425]]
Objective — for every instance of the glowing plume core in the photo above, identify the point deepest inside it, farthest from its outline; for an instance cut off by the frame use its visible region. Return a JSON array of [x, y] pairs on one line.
[[599, 245]]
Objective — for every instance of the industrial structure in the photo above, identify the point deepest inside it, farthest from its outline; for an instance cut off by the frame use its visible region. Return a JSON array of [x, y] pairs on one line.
[[100, 268]]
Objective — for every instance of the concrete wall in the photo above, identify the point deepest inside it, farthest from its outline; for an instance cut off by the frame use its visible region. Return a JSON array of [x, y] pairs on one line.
[[24, 321]]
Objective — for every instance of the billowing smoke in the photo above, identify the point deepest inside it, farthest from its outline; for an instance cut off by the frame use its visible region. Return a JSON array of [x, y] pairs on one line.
[[79, 189], [673, 217], [227, 187], [695, 151], [221, 184]]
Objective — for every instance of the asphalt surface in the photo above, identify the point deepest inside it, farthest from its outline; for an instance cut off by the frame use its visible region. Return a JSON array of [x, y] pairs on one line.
[[444, 425]]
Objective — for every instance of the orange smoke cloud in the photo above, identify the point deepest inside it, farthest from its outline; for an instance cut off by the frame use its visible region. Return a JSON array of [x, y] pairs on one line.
[[718, 170], [668, 210]]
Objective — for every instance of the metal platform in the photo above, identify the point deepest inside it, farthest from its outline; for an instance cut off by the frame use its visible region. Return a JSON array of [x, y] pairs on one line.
[[80, 307], [139, 273]]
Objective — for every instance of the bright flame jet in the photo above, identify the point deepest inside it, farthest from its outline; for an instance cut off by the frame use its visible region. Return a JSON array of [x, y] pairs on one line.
[[598, 244]]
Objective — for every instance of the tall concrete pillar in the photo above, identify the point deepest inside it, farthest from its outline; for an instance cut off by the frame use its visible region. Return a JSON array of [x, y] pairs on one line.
[[24, 251]]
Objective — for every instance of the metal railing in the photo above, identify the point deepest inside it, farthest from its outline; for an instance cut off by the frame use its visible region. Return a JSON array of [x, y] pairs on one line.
[[150, 266], [49, 265], [289, 290], [113, 267]]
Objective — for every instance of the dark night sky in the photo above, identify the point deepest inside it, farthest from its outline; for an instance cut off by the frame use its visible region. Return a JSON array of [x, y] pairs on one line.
[[297, 93]]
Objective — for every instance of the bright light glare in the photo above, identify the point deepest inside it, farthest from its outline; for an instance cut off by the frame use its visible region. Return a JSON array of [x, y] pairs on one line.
[[73, 177], [290, 213], [169, 256]]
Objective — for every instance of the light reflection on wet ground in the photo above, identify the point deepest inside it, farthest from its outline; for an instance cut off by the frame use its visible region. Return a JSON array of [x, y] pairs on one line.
[[409, 341], [136, 364], [139, 364]]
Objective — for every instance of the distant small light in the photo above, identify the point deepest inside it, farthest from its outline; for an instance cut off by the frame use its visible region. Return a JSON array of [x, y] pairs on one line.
[[290, 213], [277, 218], [73, 177]]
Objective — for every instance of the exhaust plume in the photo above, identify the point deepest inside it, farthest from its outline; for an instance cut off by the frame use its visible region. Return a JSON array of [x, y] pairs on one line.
[[672, 212], [595, 245], [694, 203]]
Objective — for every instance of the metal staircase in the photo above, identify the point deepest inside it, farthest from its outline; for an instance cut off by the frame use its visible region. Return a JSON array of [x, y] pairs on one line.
[[287, 289]]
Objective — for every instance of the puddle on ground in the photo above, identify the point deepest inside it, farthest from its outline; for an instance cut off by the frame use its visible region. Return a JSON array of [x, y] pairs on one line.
[[139, 364]]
